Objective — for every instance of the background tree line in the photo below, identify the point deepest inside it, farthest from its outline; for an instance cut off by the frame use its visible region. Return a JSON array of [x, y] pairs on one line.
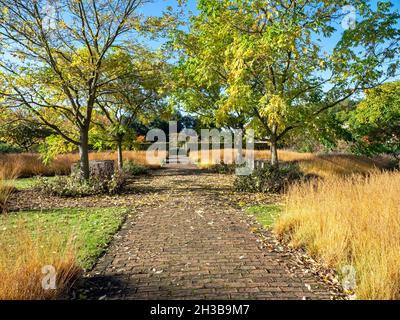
[[84, 78]]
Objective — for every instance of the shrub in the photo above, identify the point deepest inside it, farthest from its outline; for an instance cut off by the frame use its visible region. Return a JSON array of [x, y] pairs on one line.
[[134, 169], [74, 186], [6, 148], [116, 184], [224, 168], [268, 179]]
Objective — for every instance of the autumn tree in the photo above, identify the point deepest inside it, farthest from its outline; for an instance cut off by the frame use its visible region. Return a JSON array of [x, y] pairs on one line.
[[268, 60], [53, 60], [18, 130], [188, 93], [375, 123], [22, 134], [135, 97]]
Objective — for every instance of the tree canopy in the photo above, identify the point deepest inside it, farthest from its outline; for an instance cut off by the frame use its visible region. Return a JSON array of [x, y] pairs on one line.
[[376, 121], [286, 68], [265, 60], [137, 96], [57, 65]]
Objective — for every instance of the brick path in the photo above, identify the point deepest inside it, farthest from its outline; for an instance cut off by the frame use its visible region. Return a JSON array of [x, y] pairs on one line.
[[188, 243]]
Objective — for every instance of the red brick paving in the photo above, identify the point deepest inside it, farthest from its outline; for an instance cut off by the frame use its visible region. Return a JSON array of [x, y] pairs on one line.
[[191, 244]]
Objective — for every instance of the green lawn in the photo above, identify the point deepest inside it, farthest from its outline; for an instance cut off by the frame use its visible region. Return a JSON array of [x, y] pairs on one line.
[[91, 229], [266, 214], [25, 183]]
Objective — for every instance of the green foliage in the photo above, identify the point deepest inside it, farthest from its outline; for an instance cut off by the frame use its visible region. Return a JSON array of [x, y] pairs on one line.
[[375, 123], [137, 97], [24, 136], [223, 168], [265, 63], [134, 169], [6, 148], [74, 186], [53, 146], [329, 132], [270, 179]]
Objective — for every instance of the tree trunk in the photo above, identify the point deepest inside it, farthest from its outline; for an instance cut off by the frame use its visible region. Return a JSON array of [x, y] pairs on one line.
[[84, 154], [120, 159], [274, 153]]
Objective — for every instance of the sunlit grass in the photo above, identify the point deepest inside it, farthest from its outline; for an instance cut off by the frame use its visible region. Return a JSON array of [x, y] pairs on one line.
[[7, 178], [322, 165], [24, 183], [350, 221], [265, 214], [68, 239], [30, 164], [326, 165]]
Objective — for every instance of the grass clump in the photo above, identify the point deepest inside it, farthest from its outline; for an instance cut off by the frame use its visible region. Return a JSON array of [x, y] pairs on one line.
[[6, 190], [6, 187], [68, 240], [350, 221]]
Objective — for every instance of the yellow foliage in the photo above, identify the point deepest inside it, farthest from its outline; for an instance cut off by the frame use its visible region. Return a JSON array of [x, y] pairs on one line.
[[275, 109]]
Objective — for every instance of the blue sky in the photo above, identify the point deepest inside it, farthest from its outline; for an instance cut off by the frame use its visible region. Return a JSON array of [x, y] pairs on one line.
[[158, 6]]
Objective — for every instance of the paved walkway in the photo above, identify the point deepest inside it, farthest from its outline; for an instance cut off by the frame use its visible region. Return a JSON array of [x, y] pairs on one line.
[[190, 243]]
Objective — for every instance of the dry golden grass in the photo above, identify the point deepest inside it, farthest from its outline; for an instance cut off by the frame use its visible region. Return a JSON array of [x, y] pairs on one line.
[[326, 165], [210, 157], [6, 185], [24, 254], [323, 165], [30, 164], [350, 221], [283, 155]]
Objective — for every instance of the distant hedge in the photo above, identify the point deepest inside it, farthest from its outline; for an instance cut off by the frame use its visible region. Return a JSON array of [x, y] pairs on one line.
[[6, 148]]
